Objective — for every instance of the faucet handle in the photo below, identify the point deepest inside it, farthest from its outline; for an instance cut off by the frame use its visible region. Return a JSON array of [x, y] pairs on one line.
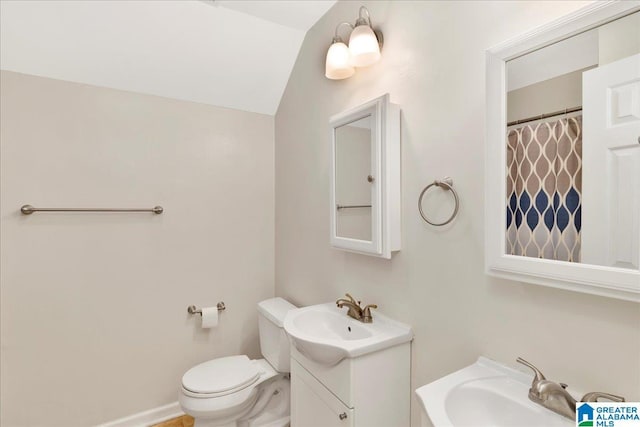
[[538, 375], [595, 395], [366, 313], [352, 299]]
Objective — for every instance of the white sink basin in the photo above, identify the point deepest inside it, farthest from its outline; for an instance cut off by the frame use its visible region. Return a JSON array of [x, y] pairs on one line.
[[325, 334], [485, 394]]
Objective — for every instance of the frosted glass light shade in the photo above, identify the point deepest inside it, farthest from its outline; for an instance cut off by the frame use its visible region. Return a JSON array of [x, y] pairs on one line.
[[364, 46], [338, 65]]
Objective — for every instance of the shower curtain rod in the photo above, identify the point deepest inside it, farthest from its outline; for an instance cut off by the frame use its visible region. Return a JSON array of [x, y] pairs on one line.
[[545, 116]]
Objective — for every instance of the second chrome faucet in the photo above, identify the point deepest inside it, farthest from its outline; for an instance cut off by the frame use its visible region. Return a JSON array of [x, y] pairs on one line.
[[355, 310], [555, 397]]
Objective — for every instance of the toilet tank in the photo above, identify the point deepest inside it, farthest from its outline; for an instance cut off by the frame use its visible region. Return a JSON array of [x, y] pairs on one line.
[[274, 343]]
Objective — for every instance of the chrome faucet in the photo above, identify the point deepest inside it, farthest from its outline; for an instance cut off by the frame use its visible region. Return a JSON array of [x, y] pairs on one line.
[[555, 397], [355, 310]]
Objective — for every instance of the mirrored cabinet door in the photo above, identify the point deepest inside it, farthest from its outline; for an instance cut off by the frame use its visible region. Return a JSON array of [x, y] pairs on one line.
[[365, 178], [354, 175]]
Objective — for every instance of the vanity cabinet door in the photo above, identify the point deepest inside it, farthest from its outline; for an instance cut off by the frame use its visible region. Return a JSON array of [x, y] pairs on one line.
[[313, 405]]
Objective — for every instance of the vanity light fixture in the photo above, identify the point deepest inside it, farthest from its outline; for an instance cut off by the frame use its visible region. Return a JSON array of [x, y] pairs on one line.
[[364, 48], [338, 65], [364, 42]]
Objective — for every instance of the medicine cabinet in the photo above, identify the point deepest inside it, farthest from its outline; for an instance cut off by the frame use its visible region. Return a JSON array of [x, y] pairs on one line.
[[365, 178]]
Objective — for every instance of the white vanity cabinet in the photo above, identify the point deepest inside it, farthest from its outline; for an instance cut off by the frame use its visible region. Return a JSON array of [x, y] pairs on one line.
[[372, 390]]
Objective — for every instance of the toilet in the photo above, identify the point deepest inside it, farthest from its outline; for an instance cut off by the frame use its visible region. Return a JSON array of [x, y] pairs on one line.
[[236, 391]]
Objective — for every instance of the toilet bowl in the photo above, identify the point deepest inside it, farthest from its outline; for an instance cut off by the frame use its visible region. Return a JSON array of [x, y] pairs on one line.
[[236, 391]]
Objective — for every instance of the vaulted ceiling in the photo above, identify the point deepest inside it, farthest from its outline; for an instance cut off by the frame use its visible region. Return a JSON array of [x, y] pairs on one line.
[[235, 54]]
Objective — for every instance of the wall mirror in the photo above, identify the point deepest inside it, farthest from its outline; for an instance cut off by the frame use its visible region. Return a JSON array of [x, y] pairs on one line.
[[365, 178], [563, 153]]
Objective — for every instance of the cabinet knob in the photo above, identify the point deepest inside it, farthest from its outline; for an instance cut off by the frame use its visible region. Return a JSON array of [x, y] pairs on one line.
[[343, 416], [370, 178]]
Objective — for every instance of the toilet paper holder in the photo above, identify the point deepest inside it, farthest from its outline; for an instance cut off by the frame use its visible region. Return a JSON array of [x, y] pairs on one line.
[[192, 309]]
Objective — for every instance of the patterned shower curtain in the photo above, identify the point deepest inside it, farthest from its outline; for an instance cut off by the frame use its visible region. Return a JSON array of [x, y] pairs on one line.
[[544, 189]]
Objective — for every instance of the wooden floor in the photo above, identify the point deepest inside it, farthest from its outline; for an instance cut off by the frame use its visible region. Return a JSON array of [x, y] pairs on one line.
[[183, 421]]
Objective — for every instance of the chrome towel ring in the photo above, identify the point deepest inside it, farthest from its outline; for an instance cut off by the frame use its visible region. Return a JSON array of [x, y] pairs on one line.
[[447, 184]]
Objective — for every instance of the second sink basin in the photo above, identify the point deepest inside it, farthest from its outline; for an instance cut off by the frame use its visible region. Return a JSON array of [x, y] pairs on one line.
[[325, 334], [485, 394]]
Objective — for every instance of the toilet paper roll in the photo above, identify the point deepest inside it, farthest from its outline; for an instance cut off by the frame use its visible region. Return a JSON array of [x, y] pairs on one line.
[[209, 317]]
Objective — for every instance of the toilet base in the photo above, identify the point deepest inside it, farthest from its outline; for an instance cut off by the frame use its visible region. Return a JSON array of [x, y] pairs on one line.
[[281, 422], [277, 411], [202, 422]]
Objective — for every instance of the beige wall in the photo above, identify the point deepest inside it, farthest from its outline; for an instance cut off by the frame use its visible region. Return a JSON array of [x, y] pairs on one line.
[[433, 64], [619, 39], [94, 321], [545, 97]]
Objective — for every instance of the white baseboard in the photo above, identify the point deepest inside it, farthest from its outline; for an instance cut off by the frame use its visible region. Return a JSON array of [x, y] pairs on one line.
[[147, 418]]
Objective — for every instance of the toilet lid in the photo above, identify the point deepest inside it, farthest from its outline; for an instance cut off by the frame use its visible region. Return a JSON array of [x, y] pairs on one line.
[[221, 375]]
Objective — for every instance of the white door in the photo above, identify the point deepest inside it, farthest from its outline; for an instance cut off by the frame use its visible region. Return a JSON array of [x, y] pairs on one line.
[[611, 164]]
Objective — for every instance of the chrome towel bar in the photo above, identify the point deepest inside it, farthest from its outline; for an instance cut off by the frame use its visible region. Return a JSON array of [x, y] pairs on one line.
[[192, 309], [28, 210], [338, 207]]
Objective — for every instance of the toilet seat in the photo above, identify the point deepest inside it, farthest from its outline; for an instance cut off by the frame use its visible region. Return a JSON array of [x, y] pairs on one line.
[[222, 408], [220, 377], [226, 406]]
